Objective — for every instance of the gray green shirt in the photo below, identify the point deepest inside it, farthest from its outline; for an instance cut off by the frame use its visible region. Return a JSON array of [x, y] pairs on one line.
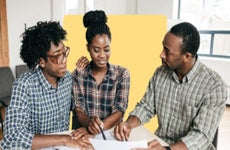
[[189, 111]]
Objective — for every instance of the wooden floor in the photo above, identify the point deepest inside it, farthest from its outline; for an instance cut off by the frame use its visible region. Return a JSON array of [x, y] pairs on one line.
[[224, 131]]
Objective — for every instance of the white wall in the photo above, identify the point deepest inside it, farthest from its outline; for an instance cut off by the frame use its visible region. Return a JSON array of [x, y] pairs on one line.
[[19, 13], [221, 66], [111, 7], [155, 7]]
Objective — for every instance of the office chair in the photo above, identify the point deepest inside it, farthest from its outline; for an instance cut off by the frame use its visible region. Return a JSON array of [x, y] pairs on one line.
[[6, 82], [19, 69], [215, 140]]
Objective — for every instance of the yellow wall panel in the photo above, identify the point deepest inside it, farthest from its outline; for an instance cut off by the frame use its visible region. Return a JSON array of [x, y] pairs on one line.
[[136, 44]]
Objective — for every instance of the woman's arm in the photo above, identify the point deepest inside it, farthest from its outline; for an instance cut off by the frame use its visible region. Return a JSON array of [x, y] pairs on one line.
[[82, 117], [112, 120]]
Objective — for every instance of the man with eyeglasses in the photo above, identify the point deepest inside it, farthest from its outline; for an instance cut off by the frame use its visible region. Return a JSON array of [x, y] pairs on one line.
[[41, 99]]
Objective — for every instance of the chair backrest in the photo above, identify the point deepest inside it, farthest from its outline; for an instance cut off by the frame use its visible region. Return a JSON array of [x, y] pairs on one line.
[[6, 82], [215, 140], [19, 69]]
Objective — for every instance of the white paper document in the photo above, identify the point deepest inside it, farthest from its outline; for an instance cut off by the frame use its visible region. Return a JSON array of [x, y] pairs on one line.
[[100, 144], [140, 133], [108, 134], [112, 144]]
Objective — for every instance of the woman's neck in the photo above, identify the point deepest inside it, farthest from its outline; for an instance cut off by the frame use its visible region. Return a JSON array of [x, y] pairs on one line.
[[99, 74]]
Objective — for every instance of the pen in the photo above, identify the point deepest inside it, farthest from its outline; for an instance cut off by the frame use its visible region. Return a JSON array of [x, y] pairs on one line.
[[102, 132]]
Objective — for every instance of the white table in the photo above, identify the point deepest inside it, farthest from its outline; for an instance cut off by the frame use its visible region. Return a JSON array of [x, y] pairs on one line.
[[141, 133]]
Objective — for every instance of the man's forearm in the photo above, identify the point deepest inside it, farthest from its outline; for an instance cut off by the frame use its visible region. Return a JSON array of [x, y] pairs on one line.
[[179, 145], [133, 121]]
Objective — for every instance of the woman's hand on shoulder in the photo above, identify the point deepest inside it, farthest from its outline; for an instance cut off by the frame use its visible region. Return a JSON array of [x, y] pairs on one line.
[[82, 62]]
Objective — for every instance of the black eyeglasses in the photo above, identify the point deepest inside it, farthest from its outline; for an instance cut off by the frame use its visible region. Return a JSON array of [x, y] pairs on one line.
[[58, 59]]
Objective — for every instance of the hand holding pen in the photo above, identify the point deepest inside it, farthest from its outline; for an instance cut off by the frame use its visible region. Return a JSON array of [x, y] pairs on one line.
[[95, 126], [102, 132]]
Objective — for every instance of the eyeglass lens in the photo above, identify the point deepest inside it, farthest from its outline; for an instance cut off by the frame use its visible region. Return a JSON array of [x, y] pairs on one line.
[[63, 56]]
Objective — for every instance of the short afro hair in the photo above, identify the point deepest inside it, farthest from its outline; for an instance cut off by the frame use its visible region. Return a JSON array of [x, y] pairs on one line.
[[36, 41], [190, 36]]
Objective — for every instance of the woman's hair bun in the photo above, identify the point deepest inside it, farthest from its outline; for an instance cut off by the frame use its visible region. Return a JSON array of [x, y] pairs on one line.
[[94, 17]]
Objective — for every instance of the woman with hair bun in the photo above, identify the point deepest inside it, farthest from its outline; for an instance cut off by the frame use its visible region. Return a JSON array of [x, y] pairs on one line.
[[101, 89]]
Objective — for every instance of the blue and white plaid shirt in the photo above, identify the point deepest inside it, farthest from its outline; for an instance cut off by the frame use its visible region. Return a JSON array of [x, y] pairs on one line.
[[36, 107]]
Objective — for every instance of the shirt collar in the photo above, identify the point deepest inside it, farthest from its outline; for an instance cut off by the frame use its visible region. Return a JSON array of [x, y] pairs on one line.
[[44, 83], [110, 72], [195, 70], [191, 74]]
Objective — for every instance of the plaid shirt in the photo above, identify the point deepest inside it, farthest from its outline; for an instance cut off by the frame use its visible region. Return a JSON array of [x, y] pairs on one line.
[[189, 111], [101, 100], [36, 108]]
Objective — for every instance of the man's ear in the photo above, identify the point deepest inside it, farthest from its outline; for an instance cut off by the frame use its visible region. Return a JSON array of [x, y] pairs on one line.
[[187, 57], [42, 62]]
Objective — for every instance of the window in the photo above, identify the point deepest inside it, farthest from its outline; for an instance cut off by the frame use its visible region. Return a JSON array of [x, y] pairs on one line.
[[212, 18]]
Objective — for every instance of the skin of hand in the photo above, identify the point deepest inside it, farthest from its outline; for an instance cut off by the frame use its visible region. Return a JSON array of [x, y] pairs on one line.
[[109, 122], [81, 133], [155, 145], [82, 143], [82, 62], [122, 131], [94, 124]]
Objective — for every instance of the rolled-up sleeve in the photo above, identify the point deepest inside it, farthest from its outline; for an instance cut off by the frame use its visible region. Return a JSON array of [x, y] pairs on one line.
[[122, 93], [77, 93]]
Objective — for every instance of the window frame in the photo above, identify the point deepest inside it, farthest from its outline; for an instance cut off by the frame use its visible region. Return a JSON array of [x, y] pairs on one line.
[[212, 33]]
